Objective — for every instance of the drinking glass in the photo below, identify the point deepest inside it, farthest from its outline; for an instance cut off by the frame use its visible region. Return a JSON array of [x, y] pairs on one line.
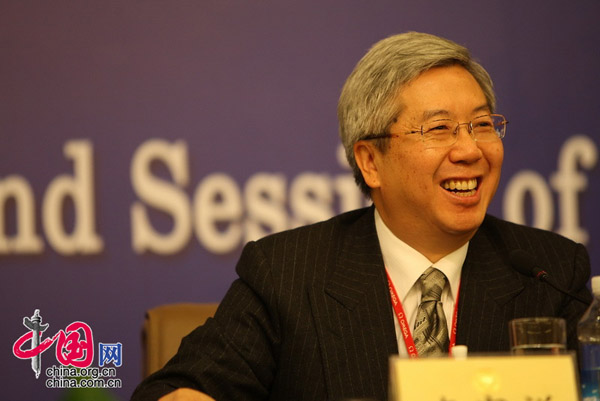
[[538, 335]]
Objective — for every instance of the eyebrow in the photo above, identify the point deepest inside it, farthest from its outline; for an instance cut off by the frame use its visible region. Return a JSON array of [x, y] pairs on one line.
[[429, 114]]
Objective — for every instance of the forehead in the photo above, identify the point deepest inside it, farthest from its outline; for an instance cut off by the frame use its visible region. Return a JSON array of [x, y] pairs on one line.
[[447, 91]]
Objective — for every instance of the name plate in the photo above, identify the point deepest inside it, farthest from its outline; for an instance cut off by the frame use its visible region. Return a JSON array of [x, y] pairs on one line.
[[484, 378]]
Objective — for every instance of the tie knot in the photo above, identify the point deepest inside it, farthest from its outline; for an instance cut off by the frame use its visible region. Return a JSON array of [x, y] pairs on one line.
[[432, 282]]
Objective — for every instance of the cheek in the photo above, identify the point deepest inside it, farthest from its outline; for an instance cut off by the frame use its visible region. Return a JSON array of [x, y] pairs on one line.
[[494, 155], [416, 171], [405, 165], [498, 155], [495, 158]]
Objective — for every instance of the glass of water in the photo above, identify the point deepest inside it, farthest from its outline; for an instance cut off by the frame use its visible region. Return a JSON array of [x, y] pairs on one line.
[[538, 335]]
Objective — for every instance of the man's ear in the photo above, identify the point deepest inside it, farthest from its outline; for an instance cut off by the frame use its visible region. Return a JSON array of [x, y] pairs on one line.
[[366, 156]]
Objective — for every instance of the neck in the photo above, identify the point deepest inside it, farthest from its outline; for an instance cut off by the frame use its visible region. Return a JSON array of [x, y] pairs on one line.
[[431, 243], [434, 252]]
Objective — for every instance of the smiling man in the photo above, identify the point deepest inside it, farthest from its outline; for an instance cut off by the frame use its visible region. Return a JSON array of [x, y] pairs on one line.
[[317, 311]]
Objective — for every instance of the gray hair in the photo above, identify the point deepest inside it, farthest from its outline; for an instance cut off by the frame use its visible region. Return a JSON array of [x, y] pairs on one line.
[[366, 105]]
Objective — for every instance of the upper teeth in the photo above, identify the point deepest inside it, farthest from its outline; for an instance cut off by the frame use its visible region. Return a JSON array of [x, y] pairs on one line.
[[461, 185]]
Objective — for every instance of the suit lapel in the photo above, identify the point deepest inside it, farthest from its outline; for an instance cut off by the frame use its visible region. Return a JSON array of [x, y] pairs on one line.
[[489, 286], [352, 313]]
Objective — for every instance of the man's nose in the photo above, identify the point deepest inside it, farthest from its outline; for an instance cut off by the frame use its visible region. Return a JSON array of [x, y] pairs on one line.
[[465, 149], [468, 128]]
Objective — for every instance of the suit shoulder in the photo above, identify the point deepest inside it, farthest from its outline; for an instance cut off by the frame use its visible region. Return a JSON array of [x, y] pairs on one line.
[[304, 246], [334, 226], [522, 236]]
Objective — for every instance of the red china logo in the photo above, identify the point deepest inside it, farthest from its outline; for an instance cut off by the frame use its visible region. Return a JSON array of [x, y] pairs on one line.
[[74, 351]]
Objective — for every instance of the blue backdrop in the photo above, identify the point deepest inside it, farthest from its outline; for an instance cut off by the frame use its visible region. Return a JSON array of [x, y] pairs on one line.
[[143, 143]]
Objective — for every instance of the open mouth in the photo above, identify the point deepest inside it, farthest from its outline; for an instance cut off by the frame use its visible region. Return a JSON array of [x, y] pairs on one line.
[[461, 187]]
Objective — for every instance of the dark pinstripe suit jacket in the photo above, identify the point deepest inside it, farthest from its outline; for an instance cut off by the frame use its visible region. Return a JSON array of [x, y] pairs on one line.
[[310, 317]]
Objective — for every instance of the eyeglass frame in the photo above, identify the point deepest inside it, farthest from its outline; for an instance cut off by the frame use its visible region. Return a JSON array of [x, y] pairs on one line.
[[469, 125]]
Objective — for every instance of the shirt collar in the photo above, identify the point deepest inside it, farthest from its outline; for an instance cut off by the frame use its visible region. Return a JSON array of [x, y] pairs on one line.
[[405, 264]]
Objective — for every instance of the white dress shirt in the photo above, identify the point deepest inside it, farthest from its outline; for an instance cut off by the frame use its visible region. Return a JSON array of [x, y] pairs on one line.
[[405, 265]]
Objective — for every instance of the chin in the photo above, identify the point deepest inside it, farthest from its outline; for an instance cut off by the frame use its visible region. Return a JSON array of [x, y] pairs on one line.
[[465, 223]]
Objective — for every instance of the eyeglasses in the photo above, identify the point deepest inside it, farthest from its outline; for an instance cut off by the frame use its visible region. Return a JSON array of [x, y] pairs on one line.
[[444, 132]]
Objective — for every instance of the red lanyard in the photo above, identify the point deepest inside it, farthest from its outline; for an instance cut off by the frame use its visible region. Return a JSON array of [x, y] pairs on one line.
[[404, 326]]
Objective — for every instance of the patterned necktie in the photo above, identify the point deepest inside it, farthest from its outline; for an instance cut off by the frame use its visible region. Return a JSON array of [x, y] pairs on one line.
[[431, 331]]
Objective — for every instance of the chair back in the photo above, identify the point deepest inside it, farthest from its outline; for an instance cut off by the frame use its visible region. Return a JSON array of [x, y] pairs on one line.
[[164, 328]]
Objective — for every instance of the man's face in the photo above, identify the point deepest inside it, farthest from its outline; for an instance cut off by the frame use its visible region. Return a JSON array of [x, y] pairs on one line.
[[411, 181]]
